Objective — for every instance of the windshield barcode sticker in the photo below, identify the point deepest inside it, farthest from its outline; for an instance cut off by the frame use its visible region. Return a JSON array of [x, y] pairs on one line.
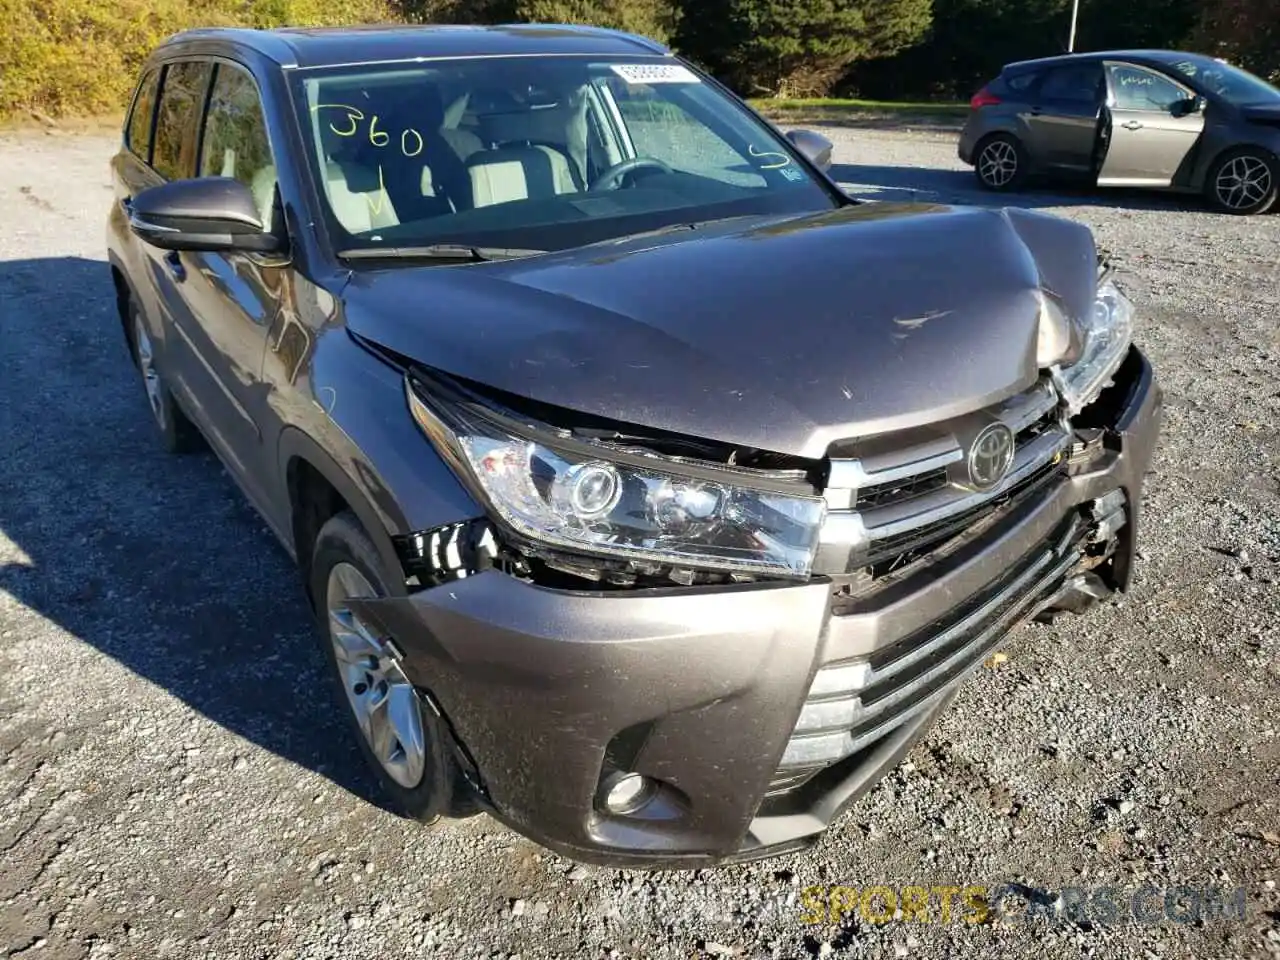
[[654, 73]]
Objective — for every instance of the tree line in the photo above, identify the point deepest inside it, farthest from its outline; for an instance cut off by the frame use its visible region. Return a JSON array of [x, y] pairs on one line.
[[895, 49], [81, 56]]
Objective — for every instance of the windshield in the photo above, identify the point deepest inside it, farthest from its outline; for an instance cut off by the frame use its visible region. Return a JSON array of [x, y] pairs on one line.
[[1232, 84], [538, 153]]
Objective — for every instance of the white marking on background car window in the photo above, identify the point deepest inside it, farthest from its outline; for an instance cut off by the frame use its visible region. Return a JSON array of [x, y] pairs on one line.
[[776, 160], [654, 73]]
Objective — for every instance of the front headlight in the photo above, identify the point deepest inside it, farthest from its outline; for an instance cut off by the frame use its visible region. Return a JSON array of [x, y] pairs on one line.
[[639, 508], [1105, 335]]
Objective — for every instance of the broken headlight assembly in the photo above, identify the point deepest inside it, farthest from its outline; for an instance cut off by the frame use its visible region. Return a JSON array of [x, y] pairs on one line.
[[1104, 335], [643, 512]]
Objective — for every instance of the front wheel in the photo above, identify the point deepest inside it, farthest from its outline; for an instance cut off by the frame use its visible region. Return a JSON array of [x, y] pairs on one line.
[[401, 738], [1000, 163], [1244, 182]]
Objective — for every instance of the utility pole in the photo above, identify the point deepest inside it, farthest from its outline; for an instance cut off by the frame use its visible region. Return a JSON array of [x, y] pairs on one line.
[[1075, 18]]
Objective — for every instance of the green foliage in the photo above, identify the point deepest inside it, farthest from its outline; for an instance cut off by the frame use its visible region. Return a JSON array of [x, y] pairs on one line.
[[1246, 32], [81, 57], [650, 18], [789, 48]]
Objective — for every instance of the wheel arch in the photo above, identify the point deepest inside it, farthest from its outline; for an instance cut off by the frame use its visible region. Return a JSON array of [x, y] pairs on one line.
[[1212, 160], [316, 488]]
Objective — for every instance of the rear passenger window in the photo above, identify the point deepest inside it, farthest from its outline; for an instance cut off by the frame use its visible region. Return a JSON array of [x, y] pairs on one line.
[[1078, 83], [1022, 82], [138, 132], [173, 151], [235, 137]]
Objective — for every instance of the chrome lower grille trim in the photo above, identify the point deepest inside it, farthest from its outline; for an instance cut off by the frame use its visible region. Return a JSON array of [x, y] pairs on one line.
[[852, 704]]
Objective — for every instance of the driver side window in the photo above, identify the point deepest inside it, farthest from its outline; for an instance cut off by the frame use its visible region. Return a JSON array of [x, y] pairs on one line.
[[235, 140], [1137, 88], [664, 130]]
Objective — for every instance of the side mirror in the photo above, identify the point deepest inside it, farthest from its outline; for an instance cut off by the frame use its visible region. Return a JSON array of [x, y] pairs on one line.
[[210, 213], [1185, 108], [813, 145]]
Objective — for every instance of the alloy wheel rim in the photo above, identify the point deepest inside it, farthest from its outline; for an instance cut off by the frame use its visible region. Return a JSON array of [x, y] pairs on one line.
[[147, 367], [386, 706], [998, 164], [1243, 182]]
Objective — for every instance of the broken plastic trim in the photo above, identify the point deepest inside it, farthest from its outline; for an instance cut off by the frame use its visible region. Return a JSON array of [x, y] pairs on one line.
[[446, 553]]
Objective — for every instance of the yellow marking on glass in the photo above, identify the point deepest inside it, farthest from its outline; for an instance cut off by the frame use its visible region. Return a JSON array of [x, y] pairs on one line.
[[375, 133], [380, 195], [354, 114], [404, 141]]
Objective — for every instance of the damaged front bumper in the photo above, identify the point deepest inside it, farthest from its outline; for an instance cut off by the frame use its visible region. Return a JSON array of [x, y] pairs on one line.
[[724, 697]]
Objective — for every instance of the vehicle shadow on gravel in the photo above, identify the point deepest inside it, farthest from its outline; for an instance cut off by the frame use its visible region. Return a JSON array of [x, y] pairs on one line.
[[156, 561], [932, 185]]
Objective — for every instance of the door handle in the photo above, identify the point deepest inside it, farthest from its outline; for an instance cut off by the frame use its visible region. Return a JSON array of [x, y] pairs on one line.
[[1132, 125], [174, 264]]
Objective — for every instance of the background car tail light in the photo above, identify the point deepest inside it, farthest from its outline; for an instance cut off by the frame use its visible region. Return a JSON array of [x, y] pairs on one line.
[[983, 98]]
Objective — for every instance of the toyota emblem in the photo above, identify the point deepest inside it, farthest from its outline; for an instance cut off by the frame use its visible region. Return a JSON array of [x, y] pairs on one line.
[[990, 456]]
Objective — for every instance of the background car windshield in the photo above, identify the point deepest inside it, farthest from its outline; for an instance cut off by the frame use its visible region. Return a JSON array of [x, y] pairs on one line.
[[1231, 83], [542, 153]]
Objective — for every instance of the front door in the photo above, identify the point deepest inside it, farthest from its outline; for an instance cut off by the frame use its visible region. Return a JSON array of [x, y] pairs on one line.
[[1152, 135], [232, 298]]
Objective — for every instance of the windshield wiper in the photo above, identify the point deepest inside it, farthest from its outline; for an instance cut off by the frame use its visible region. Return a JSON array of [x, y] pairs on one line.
[[438, 251]]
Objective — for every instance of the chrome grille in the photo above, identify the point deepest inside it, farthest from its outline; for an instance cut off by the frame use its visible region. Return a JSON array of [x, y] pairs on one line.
[[889, 503]]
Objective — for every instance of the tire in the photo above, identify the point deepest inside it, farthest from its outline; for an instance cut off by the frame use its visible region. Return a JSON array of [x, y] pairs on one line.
[[419, 782], [1244, 182], [177, 433], [1000, 163]]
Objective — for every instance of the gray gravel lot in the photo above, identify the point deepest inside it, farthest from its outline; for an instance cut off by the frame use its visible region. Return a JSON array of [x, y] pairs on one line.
[[174, 781]]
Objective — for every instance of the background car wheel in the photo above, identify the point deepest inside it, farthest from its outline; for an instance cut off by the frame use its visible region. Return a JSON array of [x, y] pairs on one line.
[[1000, 163], [1244, 182], [402, 739], [177, 433]]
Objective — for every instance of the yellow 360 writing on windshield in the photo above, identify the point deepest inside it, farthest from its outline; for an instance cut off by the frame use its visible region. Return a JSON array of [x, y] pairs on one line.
[[411, 141]]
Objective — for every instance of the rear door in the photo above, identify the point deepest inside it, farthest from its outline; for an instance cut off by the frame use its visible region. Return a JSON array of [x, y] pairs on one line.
[[1150, 138], [1066, 118]]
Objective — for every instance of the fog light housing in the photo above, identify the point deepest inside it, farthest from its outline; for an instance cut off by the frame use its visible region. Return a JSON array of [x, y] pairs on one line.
[[625, 793]]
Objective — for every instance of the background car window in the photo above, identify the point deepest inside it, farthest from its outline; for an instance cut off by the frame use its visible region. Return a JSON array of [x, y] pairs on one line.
[[666, 131], [235, 140], [138, 136], [1022, 82], [1079, 83], [173, 151], [1136, 88]]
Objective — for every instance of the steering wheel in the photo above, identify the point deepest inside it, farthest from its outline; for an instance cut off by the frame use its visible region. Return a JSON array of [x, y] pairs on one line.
[[612, 178]]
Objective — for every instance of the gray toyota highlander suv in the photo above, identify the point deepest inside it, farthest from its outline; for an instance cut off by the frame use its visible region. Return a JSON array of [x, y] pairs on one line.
[[652, 495]]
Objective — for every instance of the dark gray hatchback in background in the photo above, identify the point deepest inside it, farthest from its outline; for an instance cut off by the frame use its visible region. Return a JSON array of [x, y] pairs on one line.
[[651, 494], [1145, 118]]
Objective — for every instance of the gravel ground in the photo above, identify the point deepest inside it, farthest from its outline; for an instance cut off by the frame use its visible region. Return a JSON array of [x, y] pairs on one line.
[[172, 786]]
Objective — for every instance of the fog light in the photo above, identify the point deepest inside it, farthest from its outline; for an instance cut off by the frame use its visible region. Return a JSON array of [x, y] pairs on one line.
[[625, 793]]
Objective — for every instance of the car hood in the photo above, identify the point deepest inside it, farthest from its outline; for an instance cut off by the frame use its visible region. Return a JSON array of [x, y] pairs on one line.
[[777, 334]]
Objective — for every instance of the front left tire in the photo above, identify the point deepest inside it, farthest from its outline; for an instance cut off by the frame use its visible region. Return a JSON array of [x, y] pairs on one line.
[[403, 741]]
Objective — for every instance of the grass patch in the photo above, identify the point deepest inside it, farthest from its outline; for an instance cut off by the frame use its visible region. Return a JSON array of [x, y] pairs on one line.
[[840, 110]]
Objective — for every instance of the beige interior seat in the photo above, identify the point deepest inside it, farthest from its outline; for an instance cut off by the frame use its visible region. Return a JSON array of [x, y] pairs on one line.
[[519, 173], [358, 197]]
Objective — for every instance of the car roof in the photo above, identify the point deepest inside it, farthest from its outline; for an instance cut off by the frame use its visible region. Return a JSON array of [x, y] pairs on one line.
[[1149, 56], [327, 46]]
